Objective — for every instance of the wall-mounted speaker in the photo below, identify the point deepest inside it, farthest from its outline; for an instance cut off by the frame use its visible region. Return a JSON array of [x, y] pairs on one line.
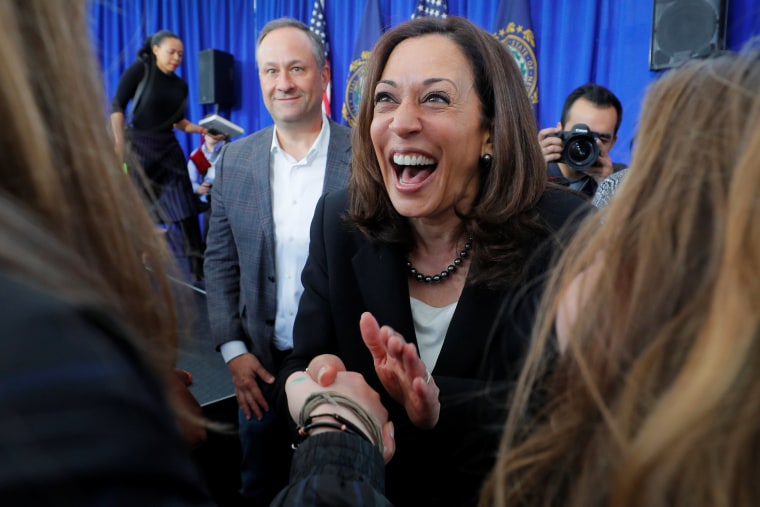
[[216, 72], [686, 29]]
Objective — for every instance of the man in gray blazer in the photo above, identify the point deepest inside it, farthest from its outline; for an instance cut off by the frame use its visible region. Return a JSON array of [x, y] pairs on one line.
[[267, 185]]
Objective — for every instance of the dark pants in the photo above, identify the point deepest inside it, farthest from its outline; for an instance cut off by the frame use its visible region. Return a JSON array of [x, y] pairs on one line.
[[266, 451], [266, 454]]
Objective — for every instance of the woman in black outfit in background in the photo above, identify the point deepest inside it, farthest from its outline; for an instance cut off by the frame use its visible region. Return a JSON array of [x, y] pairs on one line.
[[159, 98]]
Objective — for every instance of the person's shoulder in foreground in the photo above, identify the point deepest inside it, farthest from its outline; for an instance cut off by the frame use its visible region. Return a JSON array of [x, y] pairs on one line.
[[82, 414], [561, 207]]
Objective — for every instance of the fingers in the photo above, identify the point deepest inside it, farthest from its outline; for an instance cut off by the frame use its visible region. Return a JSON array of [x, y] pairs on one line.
[[425, 408], [398, 350], [551, 146], [264, 374], [183, 376], [425, 387], [370, 331], [379, 339], [326, 375], [552, 153], [406, 354], [395, 345], [256, 400], [246, 370], [242, 404], [248, 365], [543, 134], [389, 441], [421, 401], [603, 166], [402, 372], [324, 368], [250, 404]]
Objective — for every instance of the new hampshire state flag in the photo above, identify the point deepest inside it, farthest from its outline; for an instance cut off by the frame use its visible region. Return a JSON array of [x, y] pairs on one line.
[[370, 30], [514, 29], [431, 8]]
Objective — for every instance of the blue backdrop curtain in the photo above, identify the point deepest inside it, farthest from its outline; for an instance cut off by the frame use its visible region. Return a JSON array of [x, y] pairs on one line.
[[577, 41]]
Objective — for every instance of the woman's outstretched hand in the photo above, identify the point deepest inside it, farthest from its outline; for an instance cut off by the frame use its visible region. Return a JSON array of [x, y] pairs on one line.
[[402, 372]]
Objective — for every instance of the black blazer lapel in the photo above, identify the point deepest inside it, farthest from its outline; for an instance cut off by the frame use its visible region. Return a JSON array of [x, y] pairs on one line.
[[383, 284], [469, 332]]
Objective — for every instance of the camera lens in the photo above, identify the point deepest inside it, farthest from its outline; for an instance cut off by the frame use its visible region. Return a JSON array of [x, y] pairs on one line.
[[579, 148], [580, 151]]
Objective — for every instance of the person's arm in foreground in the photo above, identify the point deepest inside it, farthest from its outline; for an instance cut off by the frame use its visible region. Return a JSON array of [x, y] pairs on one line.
[[346, 439], [84, 422]]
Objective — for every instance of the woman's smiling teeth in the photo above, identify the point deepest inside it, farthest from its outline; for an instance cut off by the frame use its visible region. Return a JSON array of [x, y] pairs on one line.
[[413, 169], [412, 159]]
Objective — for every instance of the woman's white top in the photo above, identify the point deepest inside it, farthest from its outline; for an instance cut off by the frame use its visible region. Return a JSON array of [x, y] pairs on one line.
[[430, 325]]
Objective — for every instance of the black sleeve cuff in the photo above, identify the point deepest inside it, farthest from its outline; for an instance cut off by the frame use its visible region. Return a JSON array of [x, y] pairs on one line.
[[340, 454]]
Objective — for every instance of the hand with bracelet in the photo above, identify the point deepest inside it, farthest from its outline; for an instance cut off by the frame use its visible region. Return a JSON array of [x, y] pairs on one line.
[[349, 405], [399, 368]]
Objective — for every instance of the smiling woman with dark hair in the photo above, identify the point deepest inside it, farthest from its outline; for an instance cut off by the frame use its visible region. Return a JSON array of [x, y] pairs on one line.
[[652, 398], [445, 234]]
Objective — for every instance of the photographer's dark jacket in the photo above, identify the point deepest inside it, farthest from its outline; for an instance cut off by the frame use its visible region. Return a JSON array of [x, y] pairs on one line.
[[586, 185]]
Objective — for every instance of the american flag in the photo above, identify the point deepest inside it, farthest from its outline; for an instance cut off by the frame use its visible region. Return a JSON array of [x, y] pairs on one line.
[[318, 25], [432, 8]]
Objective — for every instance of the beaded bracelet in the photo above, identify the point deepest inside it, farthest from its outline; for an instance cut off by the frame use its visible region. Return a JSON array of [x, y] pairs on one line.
[[338, 399], [342, 424]]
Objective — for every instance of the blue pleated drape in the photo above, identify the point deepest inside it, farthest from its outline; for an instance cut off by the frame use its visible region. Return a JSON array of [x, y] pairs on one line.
[[577, 41]]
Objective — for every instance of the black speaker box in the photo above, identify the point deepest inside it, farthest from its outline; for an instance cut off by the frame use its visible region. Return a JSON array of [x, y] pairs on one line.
[[216, 70], [686, 29]]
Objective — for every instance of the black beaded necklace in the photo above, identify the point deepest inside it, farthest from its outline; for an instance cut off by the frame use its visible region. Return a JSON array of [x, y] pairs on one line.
[[444, 274]]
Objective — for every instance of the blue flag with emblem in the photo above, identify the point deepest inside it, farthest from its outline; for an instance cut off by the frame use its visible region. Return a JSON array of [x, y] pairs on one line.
[[371, 29], [431, 8], [514, 29], [318, 25]]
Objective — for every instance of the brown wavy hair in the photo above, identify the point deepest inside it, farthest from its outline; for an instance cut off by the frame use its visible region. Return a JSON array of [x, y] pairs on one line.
[[503, 221], [657, 398], [71, 221]]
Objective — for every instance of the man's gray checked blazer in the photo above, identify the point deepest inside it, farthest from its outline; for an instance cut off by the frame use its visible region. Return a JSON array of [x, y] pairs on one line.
[[239, 260]]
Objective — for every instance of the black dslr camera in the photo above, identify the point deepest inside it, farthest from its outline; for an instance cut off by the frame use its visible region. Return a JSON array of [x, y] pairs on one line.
[[579, 148]]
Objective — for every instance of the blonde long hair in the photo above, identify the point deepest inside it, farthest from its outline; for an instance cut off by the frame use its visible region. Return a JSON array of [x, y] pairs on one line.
[[71, 221], [656, 401]]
